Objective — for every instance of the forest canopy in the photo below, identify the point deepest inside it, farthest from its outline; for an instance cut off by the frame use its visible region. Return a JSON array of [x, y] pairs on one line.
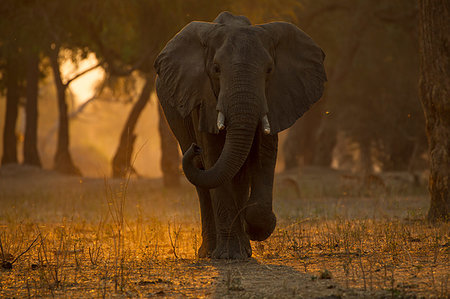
[[369, 119]]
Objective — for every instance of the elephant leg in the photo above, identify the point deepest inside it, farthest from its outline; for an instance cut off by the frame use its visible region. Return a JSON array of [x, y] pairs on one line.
[[183, 129], [260, 220], [208, 223], [227, 201]]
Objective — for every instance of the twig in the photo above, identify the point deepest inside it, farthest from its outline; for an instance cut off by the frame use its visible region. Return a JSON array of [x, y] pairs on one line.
[[1, 248], [29, 247], [173, 243], [82, 73]]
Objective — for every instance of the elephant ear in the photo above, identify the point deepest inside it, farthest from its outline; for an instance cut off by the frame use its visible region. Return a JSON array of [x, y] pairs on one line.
[[298, 75], [182, 79]]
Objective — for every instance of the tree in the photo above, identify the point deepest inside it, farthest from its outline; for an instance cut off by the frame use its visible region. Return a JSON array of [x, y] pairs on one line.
[[124, 39], [30, 151], [122, 162], [12, 104], [34, 42], [170, 159], [64, 31], [63, 159], [12, 73], [434, 16], [21, 44]]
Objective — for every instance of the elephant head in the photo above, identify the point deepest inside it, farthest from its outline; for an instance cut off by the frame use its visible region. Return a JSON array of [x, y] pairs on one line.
[[241, 78]]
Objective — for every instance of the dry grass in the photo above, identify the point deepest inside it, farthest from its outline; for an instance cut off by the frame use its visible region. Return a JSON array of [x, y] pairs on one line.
[[119, 238]]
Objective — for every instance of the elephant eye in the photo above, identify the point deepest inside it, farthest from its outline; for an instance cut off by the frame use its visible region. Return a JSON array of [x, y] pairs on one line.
[[216, 68], [269, 70]]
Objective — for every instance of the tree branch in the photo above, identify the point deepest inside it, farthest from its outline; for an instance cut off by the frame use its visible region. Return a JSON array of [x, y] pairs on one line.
[[75, 113], [88, 101], [82, 73], [110, 56], [29, 247], [49, 25], [120, 72]]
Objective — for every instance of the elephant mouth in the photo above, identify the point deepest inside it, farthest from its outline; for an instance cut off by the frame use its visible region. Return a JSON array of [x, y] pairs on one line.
[[264, 122]]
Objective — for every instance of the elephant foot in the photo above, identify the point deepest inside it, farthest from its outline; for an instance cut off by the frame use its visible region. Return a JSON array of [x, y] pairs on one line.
[[233, 248], [259, 224], [206, 248]]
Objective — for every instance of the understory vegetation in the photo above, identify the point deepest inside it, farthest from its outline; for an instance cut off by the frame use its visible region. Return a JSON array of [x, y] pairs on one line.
[[65, 236]]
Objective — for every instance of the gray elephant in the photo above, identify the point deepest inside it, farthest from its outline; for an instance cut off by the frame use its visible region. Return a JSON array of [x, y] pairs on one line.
[[227, 88]]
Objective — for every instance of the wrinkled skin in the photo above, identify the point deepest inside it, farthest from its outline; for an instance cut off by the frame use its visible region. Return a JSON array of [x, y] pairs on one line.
[[260, 79]]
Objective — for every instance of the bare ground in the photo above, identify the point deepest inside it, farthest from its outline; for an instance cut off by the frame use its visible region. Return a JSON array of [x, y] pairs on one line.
[[338, 236]]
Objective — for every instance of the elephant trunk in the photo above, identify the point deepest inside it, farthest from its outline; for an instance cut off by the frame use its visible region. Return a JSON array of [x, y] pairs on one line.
[[241, 125]]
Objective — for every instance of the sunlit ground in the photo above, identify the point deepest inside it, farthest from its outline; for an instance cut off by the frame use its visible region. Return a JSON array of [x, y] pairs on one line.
[[336, 235]]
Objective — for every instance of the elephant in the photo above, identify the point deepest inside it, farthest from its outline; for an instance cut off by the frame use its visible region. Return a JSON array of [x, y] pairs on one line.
[[227, 88]]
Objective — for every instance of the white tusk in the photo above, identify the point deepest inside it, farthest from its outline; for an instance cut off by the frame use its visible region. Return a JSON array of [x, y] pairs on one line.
[[266, 125], [220, 121]]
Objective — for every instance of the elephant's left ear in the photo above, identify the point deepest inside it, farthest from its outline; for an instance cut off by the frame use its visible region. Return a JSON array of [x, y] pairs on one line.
[[298, 77]]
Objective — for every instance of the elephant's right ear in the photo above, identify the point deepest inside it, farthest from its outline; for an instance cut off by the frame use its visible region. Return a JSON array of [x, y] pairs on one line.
[[183, 81]]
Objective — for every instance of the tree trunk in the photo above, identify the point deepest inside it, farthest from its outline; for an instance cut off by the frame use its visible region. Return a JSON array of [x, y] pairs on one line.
[[63, 160], [434, 93], [12, 103], [121, 163], [30, 152], [301, 139], [326, 142], [365, 157], [398, 155], [170, 158]]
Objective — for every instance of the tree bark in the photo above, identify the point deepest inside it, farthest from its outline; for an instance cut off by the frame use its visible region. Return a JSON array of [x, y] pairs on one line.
[[121, 163], [30, 151], [63, 160], [12, 103], [434, 93], [170, 158]]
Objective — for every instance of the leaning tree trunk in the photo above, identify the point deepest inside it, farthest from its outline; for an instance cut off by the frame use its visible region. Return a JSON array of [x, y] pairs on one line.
[[170, 158], [434, 93], [12, 103], [30, 152], [121, 163], [63, 160]]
